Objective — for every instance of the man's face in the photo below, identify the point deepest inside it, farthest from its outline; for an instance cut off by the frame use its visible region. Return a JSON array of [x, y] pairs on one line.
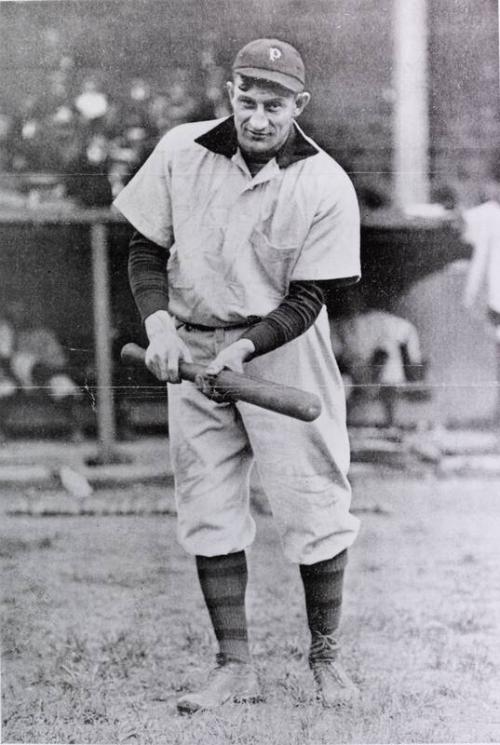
[[263, 115]]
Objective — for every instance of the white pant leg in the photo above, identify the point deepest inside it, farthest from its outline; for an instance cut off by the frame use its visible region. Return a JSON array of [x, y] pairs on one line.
[[303, 465], [211, 458]]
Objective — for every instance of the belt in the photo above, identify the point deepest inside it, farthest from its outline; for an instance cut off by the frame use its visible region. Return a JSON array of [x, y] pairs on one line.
[[250, 321]]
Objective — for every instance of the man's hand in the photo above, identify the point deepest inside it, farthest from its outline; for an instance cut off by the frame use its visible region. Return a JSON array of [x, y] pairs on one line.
[[232, 357], [166, 348]]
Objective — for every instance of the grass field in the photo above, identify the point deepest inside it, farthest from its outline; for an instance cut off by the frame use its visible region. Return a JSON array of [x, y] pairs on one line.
[[103, 626]]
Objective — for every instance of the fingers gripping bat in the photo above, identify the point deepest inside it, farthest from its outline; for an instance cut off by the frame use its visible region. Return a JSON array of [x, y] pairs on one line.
[[232, 386]]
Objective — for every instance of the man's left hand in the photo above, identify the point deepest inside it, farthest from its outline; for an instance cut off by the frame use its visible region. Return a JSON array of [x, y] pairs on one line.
[[232, 358]]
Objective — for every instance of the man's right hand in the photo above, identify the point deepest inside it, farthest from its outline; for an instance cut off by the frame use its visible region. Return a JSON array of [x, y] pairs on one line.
[[166, 348]]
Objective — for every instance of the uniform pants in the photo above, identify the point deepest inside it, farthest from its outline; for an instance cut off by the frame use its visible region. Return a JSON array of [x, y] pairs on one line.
[[302, 465]]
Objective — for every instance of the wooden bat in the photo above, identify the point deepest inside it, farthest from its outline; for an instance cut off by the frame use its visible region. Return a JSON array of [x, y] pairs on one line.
[[234, 386]]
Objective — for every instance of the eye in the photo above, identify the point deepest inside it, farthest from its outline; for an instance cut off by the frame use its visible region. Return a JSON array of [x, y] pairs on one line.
[[273, 106]]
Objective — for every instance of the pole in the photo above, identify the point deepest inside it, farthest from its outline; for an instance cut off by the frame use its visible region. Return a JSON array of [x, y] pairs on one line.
[[411, 116], [102, 335]]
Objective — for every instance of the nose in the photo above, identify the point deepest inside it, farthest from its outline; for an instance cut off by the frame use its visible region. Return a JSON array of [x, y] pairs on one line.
[[258, 121]]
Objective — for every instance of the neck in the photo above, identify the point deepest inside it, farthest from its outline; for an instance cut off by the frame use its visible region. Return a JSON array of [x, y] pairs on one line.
[[256, 161], [254, 164]]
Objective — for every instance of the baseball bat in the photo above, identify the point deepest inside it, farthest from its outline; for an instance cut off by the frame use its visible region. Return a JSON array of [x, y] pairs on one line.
[[234, 386]]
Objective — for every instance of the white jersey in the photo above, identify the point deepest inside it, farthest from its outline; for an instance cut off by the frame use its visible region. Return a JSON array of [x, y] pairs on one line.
[[237, 241], [483, 232]]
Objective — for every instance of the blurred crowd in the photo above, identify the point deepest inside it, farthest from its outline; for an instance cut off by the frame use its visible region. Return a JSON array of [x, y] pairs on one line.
[[81, 137], [84, 136]]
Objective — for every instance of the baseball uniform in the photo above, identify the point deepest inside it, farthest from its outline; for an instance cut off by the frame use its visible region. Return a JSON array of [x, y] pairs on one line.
[[235, 243]]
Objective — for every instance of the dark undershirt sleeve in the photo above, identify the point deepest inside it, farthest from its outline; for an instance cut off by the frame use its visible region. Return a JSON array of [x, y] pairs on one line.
[[147, 272], [293, 316]]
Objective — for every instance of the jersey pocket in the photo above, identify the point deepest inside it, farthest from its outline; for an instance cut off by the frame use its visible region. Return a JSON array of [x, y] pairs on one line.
[[272, 265]]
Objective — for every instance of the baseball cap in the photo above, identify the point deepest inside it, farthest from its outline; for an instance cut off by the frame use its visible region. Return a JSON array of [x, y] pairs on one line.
[[273, 60]]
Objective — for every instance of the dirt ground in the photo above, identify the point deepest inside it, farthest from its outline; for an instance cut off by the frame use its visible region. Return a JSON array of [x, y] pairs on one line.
[[103, 626]]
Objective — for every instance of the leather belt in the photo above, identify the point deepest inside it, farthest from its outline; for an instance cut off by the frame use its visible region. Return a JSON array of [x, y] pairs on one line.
[[251, 320]]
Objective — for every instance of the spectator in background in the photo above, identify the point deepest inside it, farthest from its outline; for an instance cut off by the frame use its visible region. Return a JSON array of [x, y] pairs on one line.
[[92, 103], [217, 103], [159, 113], [139, 138], [58, 93], [482, 230], [139, 97], [119, 174], [33, 361], [62, 141], [379, 353], [214, 78], [31, 146], [52, 44], [175, 105], [134, 109], [129, 150], [86, 177], [182, 106]]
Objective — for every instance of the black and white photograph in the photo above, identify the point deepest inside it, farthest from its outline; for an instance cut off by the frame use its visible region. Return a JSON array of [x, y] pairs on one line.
[[249, 372]]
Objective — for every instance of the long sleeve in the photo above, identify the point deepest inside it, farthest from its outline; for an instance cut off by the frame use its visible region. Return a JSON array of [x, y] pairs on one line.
[[293, 316], [147, 262]]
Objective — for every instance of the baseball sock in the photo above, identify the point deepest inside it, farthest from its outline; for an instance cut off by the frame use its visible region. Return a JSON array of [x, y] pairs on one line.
[[223, 581], [323, 594]]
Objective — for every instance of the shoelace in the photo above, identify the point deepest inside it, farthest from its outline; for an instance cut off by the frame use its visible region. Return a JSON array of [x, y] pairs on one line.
[[324, 647]]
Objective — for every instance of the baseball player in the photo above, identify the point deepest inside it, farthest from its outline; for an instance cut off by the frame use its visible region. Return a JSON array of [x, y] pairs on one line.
[[482, 231], [235, 222]]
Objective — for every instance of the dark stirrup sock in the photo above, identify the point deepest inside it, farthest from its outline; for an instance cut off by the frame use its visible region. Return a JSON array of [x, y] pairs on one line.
[[223, 581], [323, 583]]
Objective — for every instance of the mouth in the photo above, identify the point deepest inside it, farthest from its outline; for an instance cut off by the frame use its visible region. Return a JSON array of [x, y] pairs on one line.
[[256, 135]]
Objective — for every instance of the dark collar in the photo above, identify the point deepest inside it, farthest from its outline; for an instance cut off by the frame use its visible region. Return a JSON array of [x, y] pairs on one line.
[[222, 140]]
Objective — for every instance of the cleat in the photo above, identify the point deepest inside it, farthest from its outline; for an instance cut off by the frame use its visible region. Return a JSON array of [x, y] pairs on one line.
[[230, 681], [333, 685]]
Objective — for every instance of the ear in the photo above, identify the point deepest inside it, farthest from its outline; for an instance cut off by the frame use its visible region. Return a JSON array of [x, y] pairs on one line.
[[301, 101], [230, 89]]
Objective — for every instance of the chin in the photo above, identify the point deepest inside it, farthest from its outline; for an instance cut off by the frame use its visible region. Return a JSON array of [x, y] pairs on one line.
[[259, 148]]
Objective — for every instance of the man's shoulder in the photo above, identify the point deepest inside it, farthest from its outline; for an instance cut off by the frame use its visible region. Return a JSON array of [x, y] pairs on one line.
[[323, 164], [325, 178], [184, 135], [327, 166]]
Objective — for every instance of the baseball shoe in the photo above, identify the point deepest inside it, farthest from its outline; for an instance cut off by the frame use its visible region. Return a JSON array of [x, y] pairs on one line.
[[228, 682], [333, 685]]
